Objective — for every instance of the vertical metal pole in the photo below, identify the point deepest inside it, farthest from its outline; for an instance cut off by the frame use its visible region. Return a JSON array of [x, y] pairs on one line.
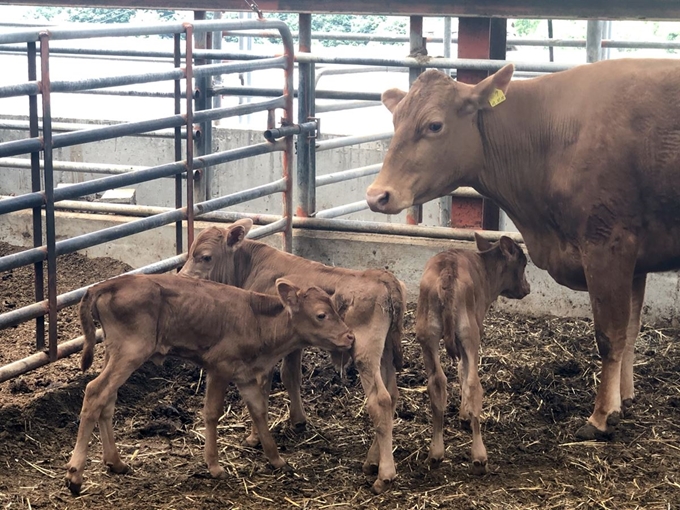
[[289, 153], [189, 60], [551, 49], [414, 214], [606, 34], [203, 133], [49, 194], [217, 45], [178, 146], [36, 186], [305, 181], [593, 41], [445, 202]]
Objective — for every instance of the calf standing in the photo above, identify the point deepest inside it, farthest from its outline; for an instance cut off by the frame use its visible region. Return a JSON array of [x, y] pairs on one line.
[[236, 335], [456, 291], [373, 303]]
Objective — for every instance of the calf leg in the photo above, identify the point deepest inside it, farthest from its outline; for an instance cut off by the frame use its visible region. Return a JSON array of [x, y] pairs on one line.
[[627, 386], [99, 394], [266, 385], [111, 456], [257, 407], [291, 375], [468, 338], [428, 334], [609, 274], [212, 410]]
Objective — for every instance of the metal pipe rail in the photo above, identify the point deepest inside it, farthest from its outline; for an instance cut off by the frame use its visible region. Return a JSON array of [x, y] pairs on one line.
[[345, 141]]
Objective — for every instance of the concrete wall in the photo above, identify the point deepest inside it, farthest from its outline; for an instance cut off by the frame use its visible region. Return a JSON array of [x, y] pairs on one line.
[[404, 256]]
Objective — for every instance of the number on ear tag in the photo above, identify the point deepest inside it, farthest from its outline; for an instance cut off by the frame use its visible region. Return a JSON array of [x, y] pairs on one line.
[[496, 98]]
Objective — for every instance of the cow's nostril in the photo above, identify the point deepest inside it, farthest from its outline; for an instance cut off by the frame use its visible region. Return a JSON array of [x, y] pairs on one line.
[[384, 198]]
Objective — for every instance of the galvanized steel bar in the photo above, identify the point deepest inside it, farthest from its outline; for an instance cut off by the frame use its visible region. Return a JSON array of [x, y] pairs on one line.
[[72, 166], [188, 30], [417, 46], [240, 67], [320, 94], [345, 141], [177, 96], [235, 111], [275, 133], [305, 181], [50, 226], [74, 126], [346, 175], [289, 152], [341, 106], [36, 186], [272, 228], [341, 210]]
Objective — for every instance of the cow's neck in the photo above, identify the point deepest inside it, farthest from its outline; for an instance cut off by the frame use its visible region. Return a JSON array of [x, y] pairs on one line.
[[520, 138], [275, 327]]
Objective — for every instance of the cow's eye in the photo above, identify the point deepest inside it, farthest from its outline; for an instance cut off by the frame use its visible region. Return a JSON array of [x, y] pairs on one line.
[[321, 316], [206, 258], [436, 127]]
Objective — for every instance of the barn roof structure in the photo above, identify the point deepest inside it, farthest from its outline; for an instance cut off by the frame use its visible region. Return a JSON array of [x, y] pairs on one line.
[[575, 9]]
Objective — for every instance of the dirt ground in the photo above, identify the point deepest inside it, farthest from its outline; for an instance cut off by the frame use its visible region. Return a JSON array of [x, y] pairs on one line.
[[539, 375]]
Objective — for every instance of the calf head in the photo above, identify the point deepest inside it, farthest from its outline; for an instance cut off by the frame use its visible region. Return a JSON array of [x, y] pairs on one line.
[[212, 256], [509, 263], [437, 145], [314, 317]]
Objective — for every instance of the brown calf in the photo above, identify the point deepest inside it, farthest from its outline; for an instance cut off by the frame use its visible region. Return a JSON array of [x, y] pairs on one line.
[[456, 291], [236, 335], [373, 306]]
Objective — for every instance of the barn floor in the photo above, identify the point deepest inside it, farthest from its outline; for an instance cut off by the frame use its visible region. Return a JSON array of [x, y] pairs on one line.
[[538, 374]]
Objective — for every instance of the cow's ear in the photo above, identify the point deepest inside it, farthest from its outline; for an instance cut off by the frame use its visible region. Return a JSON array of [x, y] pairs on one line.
[[237, 232], [392, 97], [288, 293], [508, 247], [482, 244], [491, 91]]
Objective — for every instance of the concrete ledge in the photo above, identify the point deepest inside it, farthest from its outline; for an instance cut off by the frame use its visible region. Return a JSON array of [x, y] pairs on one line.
[[404, 256]]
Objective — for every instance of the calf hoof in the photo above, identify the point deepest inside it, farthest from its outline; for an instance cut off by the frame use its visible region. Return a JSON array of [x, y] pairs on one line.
[[465, 425], [434, 461], [299, 428], [218, 472], [73, 487], [369, 469], [119, 468], [251, 441], [478, 467], [590, 432], [626, 405], [380, 486]]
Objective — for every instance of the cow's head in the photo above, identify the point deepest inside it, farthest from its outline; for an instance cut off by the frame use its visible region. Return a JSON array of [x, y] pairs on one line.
[[212, 254], [510, 265], [437, 145], [314, 317]]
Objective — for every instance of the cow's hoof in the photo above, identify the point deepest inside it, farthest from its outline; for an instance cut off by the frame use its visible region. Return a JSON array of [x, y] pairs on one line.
[[73, 487], [434, 462], [465, 425], [614, 419], [119, 468], [369, 469], [627, 404], [284, 468], [589, 432], [251, 441], [380, 486], [218, 472], [478, 467], [299, 428]]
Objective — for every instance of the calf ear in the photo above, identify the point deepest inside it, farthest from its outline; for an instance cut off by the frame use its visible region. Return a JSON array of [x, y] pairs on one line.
[[288, 294], [237, 232], [392, 97], [482, 244], [485, 90], [508, 247]]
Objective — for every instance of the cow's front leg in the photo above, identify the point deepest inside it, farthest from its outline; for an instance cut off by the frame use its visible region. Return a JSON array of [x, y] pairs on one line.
[[291, 375], [609, 275], [257, 407], [627, 385], [212, 410], [266, 386]]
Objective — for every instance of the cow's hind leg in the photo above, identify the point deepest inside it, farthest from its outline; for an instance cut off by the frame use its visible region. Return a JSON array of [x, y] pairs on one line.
[[609, 274], [428, 335], [266, 386], [111, 456], [627, 385], [467, 336], [213, 406], [99, 394]]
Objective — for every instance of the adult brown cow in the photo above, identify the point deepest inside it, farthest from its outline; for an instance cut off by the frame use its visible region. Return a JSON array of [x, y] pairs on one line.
[[371, 302], [586, 163]]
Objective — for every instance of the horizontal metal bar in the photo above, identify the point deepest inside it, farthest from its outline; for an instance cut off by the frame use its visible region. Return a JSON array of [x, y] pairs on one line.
[[346, 175], [235, 111], [345, 141], [272, 228], [242, 196], [74, 126], [217, 158], [240, 67], [72, 166], [295, 129], [341, 210], [345, 105], [320, 93]]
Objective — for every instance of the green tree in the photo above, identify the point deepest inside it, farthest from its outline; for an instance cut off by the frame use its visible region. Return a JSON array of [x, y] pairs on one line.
[[526, 27]]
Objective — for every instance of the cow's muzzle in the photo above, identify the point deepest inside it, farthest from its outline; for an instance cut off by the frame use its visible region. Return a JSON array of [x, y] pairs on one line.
[[346, 341], [383, 200]]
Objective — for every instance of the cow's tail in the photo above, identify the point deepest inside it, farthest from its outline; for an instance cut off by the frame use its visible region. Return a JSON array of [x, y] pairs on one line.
[[397, 296], [448, 303], [87, 311]]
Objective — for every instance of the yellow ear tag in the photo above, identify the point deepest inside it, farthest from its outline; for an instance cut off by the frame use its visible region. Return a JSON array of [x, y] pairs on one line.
[[496, 98]]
